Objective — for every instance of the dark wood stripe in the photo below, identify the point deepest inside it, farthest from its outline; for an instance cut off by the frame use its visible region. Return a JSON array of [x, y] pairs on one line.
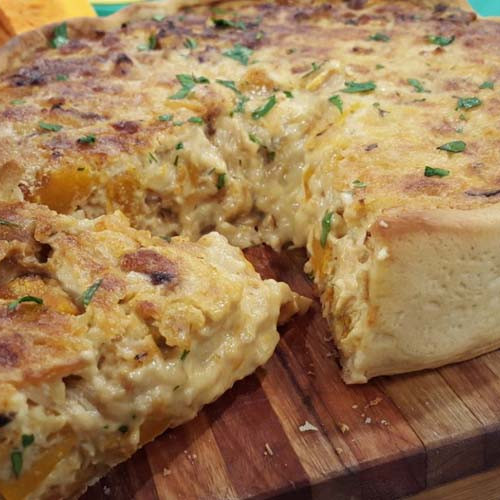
[[243, 422]]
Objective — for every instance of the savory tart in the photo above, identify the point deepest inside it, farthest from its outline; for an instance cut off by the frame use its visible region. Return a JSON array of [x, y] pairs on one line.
[[108, 336], [366, 130]]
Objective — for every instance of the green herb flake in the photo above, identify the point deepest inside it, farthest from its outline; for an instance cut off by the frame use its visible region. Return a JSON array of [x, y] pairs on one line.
[[4, 222], [60, 36], [254, 139], [225, 23], [436, 172], [354, 87], [27, 298], [27, 440], [16, 459], [123, 429], [176, 160], [152, 158], [62, 78], [380, 37], [178, 123], [453, 147], [357, 184], [179, 145], [190, 43], [87, 139], [487, 85], [88, 294], [379, 66], [239, 53], [265, 108], [468, 102], [188, 82], [185, 352], [288, 94], [158, 18], [17, 102], [196, 119], [151, 45], [336, 100], [240, 104], [166, 118], [442, 41], [259, 35], [230, 84], [221, 182], [51, 127], [326, 225], [417, 85]]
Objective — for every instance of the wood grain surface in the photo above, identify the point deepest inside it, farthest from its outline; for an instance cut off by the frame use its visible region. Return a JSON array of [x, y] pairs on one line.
[[391, 438]]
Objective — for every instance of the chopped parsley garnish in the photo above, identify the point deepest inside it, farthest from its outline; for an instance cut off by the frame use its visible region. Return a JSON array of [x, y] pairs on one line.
[[60, 36], [179, 145], [379, 66], [27, 298], [380, 37], [315, 67], [87, 139], [288, 94], [353, 87], [88, 294], [453, 147], [177, 123], [152, 158], [27, 440], [240, 104], [190, 43], [123, 429], [336, 100], [17, 102], [265, 108], [417, 85], [230, 84], [239, 53], [188, 82], [196, 119], [225, 23], [158, 18], [468, 102], [4, 222], [151, 45], [255, 139], [436, 172], [357, 184], [487, 85], [166, 118], [51, 127], [61, 78], [326, 225], [259, 35], [442, 41], [16, 459], [185, 352]]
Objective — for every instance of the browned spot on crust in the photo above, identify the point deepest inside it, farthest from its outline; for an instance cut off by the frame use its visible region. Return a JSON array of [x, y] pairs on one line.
[[128, 127], [160, 269], [8, 356]]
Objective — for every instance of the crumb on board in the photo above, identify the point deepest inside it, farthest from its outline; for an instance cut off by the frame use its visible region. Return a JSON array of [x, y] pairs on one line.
[[343, 428], [268, 450], [354, 407], [384, 422], [339, 451], [368, 420], [331, 354], [307, 426], [373, 402], [166, 472], [106, 490]]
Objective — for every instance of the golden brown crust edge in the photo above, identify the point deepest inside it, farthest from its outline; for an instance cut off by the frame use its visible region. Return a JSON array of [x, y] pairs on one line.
[[432, 286]]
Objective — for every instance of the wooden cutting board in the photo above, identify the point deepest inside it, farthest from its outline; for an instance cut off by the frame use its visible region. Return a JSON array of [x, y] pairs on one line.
[[392, 437]]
